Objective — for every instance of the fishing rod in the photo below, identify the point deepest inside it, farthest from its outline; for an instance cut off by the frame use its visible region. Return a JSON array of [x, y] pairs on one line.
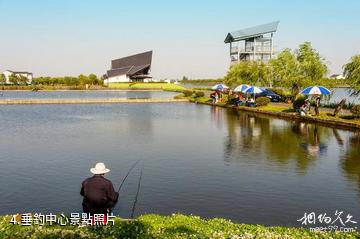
[[122, 182], [132, 167], [137, 192]]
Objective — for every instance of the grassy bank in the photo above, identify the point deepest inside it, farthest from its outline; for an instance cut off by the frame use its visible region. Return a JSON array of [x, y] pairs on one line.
[[155, 226], [344, 118], [147, 86], [287, 112]]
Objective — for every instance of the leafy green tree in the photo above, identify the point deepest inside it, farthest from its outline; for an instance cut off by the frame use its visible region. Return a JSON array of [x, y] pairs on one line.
[[248, 72], [184, 79], [294, 70], [14, 79], [22, 80], [312, 65], [352, 73], [2, 79], [93, 79], [285, 69], [102, 79], [83, 79]]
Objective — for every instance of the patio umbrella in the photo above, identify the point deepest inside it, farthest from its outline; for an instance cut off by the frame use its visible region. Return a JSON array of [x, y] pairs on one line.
[[316, 90], [241, 88], [219, 87], [254, 90]]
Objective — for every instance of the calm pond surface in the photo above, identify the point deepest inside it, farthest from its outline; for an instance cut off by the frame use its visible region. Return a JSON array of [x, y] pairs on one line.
[[197, 159], [343, 93], [11, 94]]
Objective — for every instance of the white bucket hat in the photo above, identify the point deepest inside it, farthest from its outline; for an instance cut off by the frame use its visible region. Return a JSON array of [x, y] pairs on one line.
[[99, 169]]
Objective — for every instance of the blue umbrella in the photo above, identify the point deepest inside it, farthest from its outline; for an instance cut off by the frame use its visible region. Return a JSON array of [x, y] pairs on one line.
[[241, 88], [254, 90], [219, 87], [316, 90]]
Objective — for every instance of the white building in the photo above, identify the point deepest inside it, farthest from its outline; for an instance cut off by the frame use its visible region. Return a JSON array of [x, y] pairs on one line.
[[337, 76], [27, 75], [252, 44], [135, 68]]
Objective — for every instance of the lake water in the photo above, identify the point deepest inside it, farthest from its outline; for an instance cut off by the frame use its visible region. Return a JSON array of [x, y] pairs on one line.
[[196, 159], [11, 94], [343, 93]]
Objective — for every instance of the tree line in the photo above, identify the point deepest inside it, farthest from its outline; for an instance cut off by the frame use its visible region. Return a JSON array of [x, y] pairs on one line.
[[91, 79], [293, 69], [14, 79]]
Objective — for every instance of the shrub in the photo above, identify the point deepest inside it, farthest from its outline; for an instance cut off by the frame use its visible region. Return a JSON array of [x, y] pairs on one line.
[[180, 96], [355, 110], [262, 101], [230, 99], [278, 91], [298, 102], [199, 94], [188, 93]]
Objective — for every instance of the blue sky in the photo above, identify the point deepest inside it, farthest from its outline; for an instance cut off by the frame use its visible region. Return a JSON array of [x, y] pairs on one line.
[[57, 38]]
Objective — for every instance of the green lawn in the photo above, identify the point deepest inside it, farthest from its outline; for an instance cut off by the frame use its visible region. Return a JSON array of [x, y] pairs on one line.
[[275, 108], [156, 226], [346, 118]]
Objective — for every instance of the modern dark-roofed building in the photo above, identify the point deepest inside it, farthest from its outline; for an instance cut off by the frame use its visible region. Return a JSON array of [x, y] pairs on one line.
[[131, 68], [252, 44]]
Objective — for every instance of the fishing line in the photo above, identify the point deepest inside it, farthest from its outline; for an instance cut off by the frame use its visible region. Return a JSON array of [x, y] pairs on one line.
[[137, 193], [133, 166]]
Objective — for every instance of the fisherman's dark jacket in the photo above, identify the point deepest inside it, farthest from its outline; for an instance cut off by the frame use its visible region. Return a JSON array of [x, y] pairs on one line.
[[99, 195]]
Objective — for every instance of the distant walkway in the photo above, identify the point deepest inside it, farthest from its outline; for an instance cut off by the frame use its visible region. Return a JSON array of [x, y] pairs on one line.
[[86, 101]]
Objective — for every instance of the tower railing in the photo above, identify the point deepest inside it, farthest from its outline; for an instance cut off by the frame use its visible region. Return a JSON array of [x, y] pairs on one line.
[[250, 49]]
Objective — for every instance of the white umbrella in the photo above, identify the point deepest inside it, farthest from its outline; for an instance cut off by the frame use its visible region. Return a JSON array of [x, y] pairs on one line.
[[219, 87], [241, 88], [254, 90], [316, 90]]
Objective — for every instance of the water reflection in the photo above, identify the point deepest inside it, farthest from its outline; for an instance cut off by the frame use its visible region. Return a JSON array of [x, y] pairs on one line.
[[338, 137], [217, 116], [140, 124], [279, 141], [9, 94], [310, 139], [275, 170], [136, 95], [350, 162]]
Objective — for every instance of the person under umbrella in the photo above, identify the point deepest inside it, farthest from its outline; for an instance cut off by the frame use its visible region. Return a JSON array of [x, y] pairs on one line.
[[218, 89], [253, 90], [316, 91], [317, 105]]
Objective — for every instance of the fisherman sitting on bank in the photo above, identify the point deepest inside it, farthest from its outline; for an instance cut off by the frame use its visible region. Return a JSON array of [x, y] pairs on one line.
[[303, 109], [98, 192]]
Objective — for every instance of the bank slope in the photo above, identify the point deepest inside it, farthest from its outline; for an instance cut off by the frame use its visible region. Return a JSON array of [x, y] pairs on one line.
[[156, 226]]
